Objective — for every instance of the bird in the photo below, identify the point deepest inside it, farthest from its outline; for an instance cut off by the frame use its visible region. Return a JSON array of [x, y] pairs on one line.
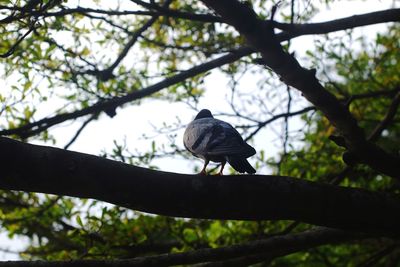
[[215, 140]]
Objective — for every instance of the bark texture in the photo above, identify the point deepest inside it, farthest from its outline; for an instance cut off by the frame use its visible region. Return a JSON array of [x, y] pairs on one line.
[[50, 170]]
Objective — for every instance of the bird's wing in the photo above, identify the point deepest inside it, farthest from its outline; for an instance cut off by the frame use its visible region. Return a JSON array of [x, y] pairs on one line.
[[197, 135], [225, 140]]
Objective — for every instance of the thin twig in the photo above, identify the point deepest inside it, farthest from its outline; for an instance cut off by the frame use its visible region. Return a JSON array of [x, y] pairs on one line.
[[374, 135], [15, 45], [76, 135]]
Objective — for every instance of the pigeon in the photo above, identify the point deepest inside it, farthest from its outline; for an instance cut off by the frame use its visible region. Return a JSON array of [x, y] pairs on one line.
[[215, 140]]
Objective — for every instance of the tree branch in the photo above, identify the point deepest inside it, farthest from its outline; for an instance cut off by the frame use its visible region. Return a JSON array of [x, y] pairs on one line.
[[17, 42], [293, 30], [165, 12], [31, 129], [107, 74], [373, 94], [84, 11], [274, 118], [240, 197], [275, 246], [386, 120], [79, 131]]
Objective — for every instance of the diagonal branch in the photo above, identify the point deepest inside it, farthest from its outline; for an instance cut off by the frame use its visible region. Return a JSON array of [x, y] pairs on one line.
[[386, 120], [41, 125], [17, 42], [245, 20], [240, 197], [106, 74], [79, 131]]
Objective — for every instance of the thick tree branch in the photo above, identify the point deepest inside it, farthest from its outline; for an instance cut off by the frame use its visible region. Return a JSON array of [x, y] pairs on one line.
[[84, 11], [165, 12], [241, 197], [261, 37], [275, 246], [293, 30], [41, 125]]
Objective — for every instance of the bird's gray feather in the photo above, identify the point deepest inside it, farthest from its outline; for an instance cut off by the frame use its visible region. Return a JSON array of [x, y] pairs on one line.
[[209, 136]]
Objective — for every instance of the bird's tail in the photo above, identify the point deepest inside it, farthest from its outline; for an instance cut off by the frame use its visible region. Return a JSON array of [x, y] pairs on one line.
[[248, 151], [241, 165]]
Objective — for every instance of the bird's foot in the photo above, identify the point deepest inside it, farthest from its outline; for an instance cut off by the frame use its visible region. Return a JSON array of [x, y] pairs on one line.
[[203, 172]]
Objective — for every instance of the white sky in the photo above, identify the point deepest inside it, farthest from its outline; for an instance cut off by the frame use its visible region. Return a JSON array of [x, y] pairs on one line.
[[131, 122]]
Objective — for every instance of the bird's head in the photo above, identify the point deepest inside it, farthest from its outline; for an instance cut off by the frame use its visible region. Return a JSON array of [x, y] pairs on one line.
[[204, 113]]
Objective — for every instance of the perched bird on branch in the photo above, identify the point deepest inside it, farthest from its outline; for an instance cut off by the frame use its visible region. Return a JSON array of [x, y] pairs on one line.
[[215, 140]]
